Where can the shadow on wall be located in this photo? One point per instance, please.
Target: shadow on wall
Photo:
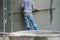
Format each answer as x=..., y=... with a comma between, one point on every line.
x=18, y=21
x=1, y=15
x=22, y=19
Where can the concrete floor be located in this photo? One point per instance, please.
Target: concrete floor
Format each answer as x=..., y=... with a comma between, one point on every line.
x=6, y=38
x=36, y=35
x=1, y=38
x=37, y=38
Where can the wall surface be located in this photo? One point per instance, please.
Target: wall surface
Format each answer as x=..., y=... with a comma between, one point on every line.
x=18, y=19
x=7, y=26
x=1, y=15
x=56, y=16
x=42, y=18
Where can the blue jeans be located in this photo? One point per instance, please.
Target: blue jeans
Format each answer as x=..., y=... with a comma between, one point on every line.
x=29, y=17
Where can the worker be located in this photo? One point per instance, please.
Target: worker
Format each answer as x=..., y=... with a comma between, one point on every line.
x=29, y=7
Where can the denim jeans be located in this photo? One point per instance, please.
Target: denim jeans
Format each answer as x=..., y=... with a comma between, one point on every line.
x=29, y=17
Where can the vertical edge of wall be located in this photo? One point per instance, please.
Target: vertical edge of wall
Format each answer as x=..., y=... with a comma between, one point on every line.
x=1, y=15
x=56, y=15
x=8, y=24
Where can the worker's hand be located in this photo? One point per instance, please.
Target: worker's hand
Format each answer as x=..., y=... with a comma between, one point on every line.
x=36, y=10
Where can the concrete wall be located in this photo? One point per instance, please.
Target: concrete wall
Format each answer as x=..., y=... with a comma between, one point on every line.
x=1, y=15
x=56, y=16
x=8, y=26
x=18, y=19
x=42, y=18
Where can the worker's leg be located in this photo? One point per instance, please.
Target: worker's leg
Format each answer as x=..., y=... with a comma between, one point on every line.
x=27, y=23
x=33, y=22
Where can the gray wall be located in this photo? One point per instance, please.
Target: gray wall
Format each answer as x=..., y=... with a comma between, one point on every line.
x=18, y=19
x=56, y=16
x=42, y=18
x=1, y=15
x=8, y=26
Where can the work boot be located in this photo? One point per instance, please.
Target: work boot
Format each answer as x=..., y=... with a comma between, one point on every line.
x=29, y=28
x=36, y=28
